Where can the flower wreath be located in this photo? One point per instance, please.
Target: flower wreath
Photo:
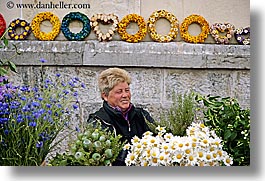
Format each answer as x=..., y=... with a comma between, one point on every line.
x=37, y=20
x=194, y=19
x=76, y=16
x=104, y=19
x=173, y=23
x=222, y=27
x=126, y=21
x=19, y=23
x=239, y=35
x=2, y=25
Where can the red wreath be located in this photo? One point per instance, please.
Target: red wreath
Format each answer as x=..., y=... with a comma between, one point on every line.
x=2, y=25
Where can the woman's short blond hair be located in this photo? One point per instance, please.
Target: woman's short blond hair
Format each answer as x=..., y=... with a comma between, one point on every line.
x=111, y=77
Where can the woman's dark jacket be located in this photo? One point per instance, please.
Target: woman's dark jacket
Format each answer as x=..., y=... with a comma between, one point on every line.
x=114, y=120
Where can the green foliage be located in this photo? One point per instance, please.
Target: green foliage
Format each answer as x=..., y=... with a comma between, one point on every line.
x=179, y=116
x=5, y=63
x=231, y=123
x=93, y=147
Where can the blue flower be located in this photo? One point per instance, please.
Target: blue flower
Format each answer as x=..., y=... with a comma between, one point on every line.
x=71, y=84
x=77, y=129
x=19, y=118
x=65, y=92
x=75, y=94
x=35, y=104
x=33, y=124
x=6, y=132
x=75, y=106
x=42, y=60
x=39, y=144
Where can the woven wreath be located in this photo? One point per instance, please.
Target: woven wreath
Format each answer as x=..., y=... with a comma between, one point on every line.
x=173, y=26
x=76, y=16
x=126, y=21
x=19, y=23
x=104, y=19
x=242, y=35
x=2, y=25
x=216, y=28
x=38, y=19
x=185, y=26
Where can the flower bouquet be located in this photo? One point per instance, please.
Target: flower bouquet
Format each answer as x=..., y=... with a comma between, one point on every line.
x=32, y=117
x=201, y=147
x=94, y=146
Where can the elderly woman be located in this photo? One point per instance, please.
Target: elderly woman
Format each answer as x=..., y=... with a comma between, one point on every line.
x=117, y=112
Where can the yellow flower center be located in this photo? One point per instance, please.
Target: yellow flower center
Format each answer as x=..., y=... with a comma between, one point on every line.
x=208, y=157
x=187, y=151
x=179, y=156
x=200, y=154
x=132, y=157
x=191, y=158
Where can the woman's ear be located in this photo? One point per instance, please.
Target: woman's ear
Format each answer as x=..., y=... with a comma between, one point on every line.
x=104, y=96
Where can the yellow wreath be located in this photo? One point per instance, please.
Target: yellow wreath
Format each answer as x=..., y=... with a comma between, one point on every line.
x=38, y=19
x=173, y=24
x=205, y=29
x=126, y=21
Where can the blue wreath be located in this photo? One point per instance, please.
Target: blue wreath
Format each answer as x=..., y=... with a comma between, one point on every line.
x=75, y=16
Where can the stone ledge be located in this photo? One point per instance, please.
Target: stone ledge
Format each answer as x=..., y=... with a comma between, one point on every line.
x=142, y=54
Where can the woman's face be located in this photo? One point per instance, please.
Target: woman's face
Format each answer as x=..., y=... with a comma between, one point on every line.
x=119, y=96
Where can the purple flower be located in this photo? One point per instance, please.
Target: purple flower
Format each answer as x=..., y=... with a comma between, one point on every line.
x=3, y=79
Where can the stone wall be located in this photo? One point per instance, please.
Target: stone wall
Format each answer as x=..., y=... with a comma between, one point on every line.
x=157, y=69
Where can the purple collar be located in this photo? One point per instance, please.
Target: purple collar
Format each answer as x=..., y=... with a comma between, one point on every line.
x=124, y=114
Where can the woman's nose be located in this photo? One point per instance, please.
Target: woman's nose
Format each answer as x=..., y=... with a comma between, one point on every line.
x=125, y=94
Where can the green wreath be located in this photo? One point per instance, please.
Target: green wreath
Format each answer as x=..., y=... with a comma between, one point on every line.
x=75, y=16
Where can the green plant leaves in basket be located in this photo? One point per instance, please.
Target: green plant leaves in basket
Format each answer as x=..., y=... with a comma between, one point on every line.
x=93, y=147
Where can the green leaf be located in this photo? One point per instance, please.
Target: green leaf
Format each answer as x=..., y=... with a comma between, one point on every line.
x=12, y=66
x=5, y=42
x=213, y=98
x=16, y=49
x=3, y=71
x=227, y=134
x=233, y=136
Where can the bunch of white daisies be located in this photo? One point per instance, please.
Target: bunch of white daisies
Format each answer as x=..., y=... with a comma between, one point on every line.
x=201, y=147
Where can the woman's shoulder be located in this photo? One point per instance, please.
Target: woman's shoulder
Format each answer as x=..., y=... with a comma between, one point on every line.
x=143, y=112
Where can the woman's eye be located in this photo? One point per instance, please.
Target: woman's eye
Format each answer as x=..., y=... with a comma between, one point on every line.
x=119, y=92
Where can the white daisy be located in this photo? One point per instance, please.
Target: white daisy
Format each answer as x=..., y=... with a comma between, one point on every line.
x=130, y=159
